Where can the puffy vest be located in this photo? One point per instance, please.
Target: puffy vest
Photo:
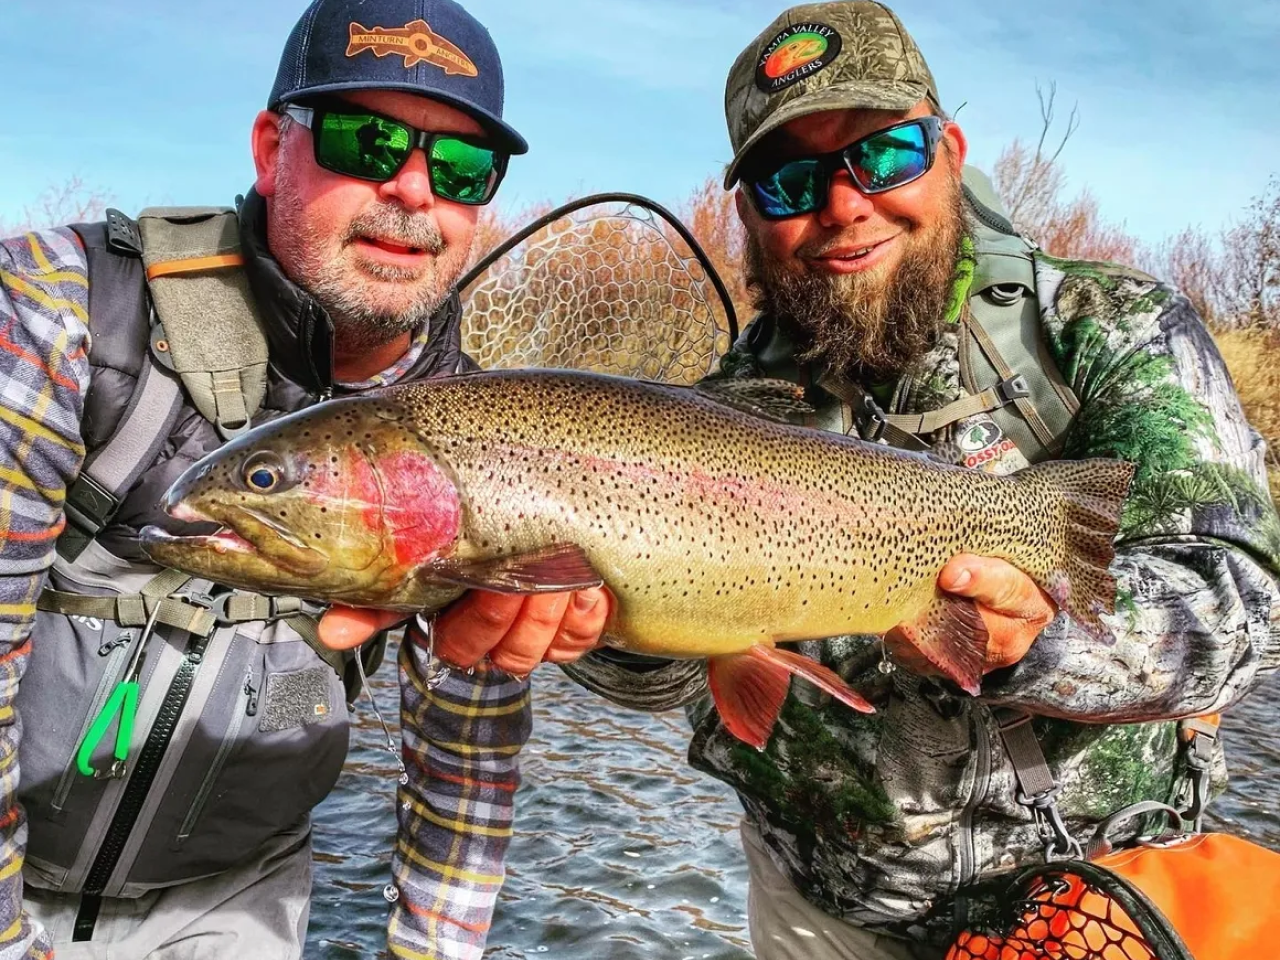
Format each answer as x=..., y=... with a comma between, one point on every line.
x=241, y=726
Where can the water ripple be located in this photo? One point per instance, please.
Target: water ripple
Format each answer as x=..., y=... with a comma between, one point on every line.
x=621, y=849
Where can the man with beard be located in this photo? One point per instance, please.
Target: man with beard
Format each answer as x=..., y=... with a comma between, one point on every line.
x=130, y=349
x=894, y=290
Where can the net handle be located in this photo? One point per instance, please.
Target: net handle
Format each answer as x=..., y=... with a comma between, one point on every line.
x=631, y=198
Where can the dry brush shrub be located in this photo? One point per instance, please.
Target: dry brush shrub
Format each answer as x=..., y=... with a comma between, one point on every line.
x=1251, y=354
x=69, y=202
x=1250, y=280
x=1032, y=183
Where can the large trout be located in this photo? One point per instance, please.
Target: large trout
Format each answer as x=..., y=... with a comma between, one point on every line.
x=719, y=530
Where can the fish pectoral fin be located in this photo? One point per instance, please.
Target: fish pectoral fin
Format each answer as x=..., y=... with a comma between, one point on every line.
x=771, y=399
x=952, y=636
x=750, y=688
x=554, y=569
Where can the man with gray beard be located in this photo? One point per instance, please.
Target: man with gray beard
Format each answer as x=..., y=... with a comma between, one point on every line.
x=175, y=733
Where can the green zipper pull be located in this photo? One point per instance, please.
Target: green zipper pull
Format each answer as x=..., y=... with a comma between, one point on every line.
x=123, y=703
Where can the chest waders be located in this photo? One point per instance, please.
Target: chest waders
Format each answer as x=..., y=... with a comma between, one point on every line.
x=197, y=682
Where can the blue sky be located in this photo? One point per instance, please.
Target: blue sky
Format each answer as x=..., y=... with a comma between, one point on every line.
x=150, y=101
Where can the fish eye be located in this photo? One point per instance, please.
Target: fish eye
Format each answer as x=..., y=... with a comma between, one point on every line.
x=263, y=473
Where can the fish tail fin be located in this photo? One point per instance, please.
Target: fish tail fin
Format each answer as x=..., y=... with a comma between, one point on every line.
x=1090, y=495
x=750, y=688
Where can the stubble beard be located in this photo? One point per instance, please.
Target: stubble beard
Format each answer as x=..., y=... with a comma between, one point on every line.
x=352, y=289
x=865, y=325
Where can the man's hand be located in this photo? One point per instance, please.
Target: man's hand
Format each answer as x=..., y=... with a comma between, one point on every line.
x=516, y=632
x=1012, y=605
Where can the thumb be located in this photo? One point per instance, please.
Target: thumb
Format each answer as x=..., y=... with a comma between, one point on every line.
x=342, y=628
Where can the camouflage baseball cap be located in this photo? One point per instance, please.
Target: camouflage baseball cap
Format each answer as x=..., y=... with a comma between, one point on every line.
x=840, y=55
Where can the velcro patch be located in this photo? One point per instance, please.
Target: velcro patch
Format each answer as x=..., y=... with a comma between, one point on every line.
x=295, y=699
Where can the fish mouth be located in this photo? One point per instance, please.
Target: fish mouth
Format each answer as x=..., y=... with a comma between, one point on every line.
x=243, y=533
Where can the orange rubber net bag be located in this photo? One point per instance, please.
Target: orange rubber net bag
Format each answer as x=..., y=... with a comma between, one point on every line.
x=1201, y=897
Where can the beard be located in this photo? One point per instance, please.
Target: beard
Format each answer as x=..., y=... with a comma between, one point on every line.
x=370, y=303
x=865, y=325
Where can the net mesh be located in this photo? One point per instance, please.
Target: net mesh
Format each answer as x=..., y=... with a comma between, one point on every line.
x=610, y=288
x=1062, y=918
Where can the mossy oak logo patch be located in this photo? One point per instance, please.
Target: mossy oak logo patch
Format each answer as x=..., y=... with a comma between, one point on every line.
x=416, y=42
x=797, y=52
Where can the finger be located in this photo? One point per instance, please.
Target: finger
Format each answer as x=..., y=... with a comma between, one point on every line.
x=584, y=618
x=471, y=627
x=342, y=628
x=526, y=643
x=998, y=585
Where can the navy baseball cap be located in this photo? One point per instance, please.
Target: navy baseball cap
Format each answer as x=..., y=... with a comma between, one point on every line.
x=429, y=47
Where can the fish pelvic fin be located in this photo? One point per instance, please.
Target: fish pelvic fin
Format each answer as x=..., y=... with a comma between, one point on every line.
x=750, y=688
x=953, y=637
x=1091, y=496
x=554, y=569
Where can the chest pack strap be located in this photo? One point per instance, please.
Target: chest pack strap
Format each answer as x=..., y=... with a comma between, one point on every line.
x=111, y=471
x=159, y=602
x=207, y=326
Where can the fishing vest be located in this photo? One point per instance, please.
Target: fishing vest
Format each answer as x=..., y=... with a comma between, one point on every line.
x=241, y=723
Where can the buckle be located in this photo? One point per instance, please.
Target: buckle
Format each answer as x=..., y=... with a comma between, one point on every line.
x=123, y=235
x=1058, y=842
x=1015, y=388
x=89, y=505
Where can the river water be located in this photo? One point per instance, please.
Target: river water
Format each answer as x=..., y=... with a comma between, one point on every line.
x=622, y=851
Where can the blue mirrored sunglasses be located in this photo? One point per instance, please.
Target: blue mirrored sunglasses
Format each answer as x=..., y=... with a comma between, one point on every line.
x=878, y=162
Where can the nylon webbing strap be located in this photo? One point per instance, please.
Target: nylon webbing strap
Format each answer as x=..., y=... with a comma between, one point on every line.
x=1100, y=843
x=109, y=473
x=1034, y=776
x=871, y=422
x=1037, y=789
x=135, y=609
x=183, y=613
x=934, y=420
x=1024, y=405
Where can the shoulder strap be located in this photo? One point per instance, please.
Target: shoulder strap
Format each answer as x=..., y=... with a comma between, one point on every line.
x=208, y=329
x=110, y=471
x=1004, y=325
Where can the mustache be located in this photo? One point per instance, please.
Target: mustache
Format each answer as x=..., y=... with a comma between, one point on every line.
x=396, y=225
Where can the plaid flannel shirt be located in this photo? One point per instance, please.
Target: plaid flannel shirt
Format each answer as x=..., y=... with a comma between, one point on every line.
x=460, y=740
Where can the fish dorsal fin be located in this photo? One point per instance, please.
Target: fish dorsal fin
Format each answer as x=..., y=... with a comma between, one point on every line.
x=553, y=569
x=770, y=398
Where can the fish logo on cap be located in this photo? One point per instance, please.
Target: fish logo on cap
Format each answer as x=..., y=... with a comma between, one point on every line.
x=416, y=42
x=799, y=51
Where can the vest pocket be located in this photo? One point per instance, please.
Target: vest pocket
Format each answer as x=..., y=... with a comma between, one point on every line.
x=229, y=740
x=116, y=653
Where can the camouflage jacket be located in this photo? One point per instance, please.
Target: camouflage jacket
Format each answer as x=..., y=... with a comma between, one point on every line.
x=888, y=820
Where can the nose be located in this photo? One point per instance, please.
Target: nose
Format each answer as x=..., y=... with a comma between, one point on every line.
x=846, y=204
x=412, y=184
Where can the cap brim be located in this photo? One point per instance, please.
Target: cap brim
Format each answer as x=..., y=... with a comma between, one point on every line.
x=853, y=95
x=506, y=135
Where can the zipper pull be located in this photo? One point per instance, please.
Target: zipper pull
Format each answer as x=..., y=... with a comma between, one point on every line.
x=251, y=707
x=119, y=641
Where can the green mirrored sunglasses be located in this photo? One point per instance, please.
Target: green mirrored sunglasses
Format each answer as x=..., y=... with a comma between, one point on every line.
x=369, y=146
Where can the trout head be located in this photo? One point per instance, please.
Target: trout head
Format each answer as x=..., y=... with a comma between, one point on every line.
x=341, y=502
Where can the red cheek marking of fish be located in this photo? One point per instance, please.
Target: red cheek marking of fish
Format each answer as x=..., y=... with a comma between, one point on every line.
x=422, y=513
